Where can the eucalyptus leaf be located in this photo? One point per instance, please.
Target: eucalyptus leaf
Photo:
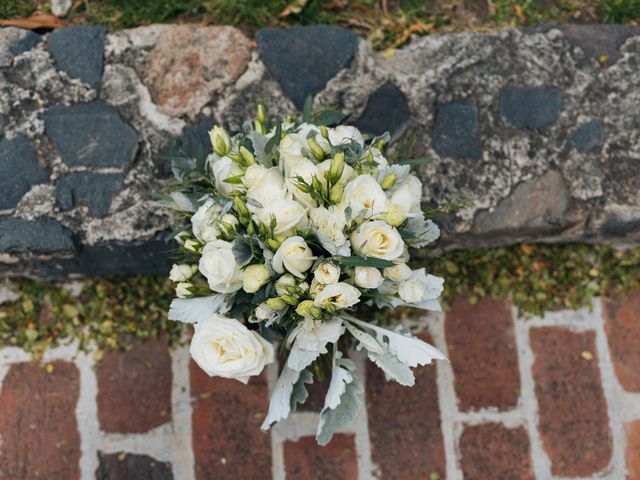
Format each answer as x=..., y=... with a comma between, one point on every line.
x=241, y=252
x=356, y=261
x=306, y=109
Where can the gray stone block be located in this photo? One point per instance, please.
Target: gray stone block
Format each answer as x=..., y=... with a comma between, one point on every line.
x=304, y=59
x=457, y=131
x=79, y=51
x=41, y=236
x=91, y=135
x=93, y=190
x=386, y=111
x=588, y=137
x=19, y=170
x=531, y=107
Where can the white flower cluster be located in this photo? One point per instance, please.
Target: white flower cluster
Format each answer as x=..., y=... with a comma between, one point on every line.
x=295, y=229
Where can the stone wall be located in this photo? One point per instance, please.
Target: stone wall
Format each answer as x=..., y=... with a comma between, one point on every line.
x=537, y=129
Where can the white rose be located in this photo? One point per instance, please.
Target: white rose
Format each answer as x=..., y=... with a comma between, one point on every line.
x=218, y=265
x=223, y=168
x=365, y=193
x=224, y=347
x=368, y=277
x=327, y=273
x=345, y=134
x=254, y=277
x=182, y=272
x=408, y=195
x=263, y=311
x=398, y=272
x=204, y=223
x=289, y=215
x=253, y=175
x=339, y=295
x=286, y=280
x=377, y=239
x=294, y=255
x=306, y=170
x=290, y=149
x=265, y=186
x=421, y=290
x=329, y=225
x=183, y=290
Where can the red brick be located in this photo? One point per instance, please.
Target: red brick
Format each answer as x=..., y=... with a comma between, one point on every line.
x=227, y=440
x=573, y=422
x=304, y=459
x=134, y=388
x=623, y=332
x=38, y=428
x=404, y=425
x=122, y=466
x=493, y=451
x=483, y=354
x=632, y=455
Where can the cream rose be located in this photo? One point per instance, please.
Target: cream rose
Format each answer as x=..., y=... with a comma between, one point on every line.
x=327, y=273
x=290, y=149
x=421, y=290
x=286, y=280
x=254, y=277
x=219, y=266
x=344, y=134
x=365, y=193
x=289, y=215
x=204, y=223
x=265, y=185
x=182, y=272
x=295, y=256
x=377, y=239
x=398, y=272
x=224, y=347
x=338, y=295
x=223, y=168
x=408, y=195
x=315, y=288
x=329, y=224
x=367, y=277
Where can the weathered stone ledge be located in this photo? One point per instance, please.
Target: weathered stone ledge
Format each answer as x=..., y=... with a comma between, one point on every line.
x=538, y=129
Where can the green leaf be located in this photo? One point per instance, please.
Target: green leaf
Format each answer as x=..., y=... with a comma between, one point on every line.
x=275, y=140
x=306, y=109
x=328, y=118
x=237, y=180
x=355, y=261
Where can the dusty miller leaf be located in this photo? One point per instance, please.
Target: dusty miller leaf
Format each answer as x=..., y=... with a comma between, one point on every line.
x=280, y=403
x=299, y=394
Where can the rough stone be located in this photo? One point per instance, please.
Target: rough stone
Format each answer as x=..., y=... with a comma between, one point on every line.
x=93, y=190
x=573, y=420
x=19, y=170
x=588, y=137
x=532, y=107
x=60, y=8
x=223, y=443
x=457, y=131
x=386, y=111
x=493, y=451
x=91, y=135
x=537, y=206
x=623, y=333
x=409, y=443
x=189, y=65
x=41, y=236
x=2, y=122
x=14, y=41
x=304, y=459
x=134, y=388
x=123, y=466
x=482, y=334
x=304, y=59
x=79, y=51
x=38, y=422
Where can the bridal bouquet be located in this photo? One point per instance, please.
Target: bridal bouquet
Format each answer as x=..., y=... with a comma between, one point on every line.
x=299, y=232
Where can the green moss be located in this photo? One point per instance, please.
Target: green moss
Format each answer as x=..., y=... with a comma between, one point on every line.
x=113, y=312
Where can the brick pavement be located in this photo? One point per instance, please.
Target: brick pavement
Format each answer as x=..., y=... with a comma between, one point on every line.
x=544, y=398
